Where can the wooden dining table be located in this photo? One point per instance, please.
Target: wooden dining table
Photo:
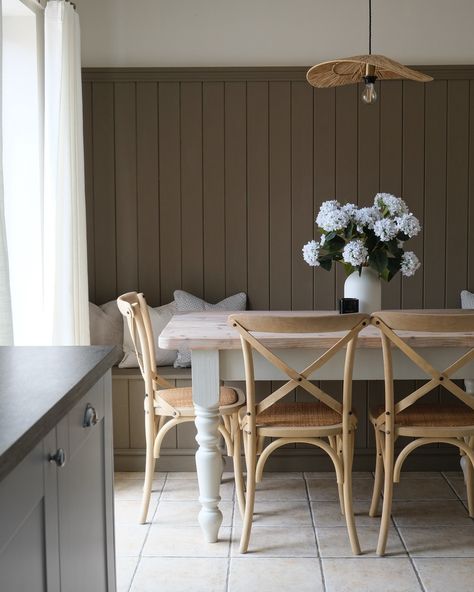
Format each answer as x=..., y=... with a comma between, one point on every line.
x=216, y=356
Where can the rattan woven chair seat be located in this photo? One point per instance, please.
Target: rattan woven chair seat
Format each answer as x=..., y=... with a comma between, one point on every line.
x=431, y=416
x=298, y=415
x=183, y=397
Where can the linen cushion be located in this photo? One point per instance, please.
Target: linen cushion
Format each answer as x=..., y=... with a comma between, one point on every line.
x=467, y=301
x=159, y=317
x=186, y=302
x=105, y=322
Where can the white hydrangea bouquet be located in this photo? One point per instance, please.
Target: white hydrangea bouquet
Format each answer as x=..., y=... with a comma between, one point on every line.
x=365, y=237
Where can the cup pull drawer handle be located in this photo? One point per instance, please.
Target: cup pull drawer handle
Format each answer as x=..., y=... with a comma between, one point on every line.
x=90, y=417
x=59, y=457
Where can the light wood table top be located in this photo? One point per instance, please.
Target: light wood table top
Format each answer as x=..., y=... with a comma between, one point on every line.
x=209, y=330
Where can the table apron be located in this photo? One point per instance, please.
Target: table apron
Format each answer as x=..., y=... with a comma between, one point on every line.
x=368, y=364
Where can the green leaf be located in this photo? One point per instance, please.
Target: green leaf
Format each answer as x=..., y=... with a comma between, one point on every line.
x=403, y=237
x=371, y=240
x=349, y=269
x=349, y=230
x=393, y=266
x=336, y=243
x=378, y=260
x=326, y=263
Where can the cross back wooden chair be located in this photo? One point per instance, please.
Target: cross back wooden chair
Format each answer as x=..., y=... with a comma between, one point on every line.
x=167, y=406
x=449, y=423
x=306, y=422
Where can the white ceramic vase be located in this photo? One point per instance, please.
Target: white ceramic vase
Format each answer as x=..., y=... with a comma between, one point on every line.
x=367, y=288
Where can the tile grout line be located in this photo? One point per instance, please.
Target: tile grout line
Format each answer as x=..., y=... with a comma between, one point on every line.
x=410, y=558
x=147, y=533
x=320, y=561
x=313, y=525
x=455, y=492
x=229, y=558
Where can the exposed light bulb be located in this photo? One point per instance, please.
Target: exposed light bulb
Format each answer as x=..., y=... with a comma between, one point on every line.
x=369, y=95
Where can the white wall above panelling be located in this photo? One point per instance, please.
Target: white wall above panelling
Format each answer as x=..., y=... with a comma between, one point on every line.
x=272, y=32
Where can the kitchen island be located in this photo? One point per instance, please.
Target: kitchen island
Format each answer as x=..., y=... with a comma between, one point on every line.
x=56, y=469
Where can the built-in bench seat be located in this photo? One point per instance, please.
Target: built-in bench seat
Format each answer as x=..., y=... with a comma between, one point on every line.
x=167, y=372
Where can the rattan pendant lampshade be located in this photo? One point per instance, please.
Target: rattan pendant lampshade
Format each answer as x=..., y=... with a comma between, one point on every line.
x=368, y=67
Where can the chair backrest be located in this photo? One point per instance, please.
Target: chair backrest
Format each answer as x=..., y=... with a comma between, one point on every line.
x=248, y=325
x=134, y=308
x=423, y=321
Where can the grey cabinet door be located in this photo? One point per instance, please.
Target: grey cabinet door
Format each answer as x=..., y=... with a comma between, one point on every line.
x=29, y=558
x=85, y=502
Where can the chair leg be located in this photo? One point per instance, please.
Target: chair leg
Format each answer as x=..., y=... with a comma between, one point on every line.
x=250, y=459
x=239, y=480
x=340, y=491
x=340, y=486
x=374, y=505
x=387, y=493
x=469, y=482
x=149, y=470
x=347, y=459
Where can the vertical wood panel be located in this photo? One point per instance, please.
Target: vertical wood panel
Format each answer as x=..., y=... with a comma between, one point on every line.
x=347, y=98
x=136, y=415
x=235, y=187
x=324, y=132
x=121, y=414
x=368, y=150
x=170, y=189
x=280, y=195
x=258, y=195
x=457, y=185
x=103, y=167
x=301, y=192
x=391, y=124
x=148, y=192
x=126, y=187
x=191, y=187
x=89, y=184
x=213, y=191
x=434, y=232
x=470, y=215
x=413, y=181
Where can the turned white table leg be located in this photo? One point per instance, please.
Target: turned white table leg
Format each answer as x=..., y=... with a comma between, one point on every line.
x=205, y=376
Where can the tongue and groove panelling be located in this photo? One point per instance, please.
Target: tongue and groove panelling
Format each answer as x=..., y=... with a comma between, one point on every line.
x=209, y=180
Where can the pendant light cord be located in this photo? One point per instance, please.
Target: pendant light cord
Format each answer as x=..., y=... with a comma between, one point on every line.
x=370, y=27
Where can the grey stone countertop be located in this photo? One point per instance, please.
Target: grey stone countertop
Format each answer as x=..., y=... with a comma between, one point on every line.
x=38, y=387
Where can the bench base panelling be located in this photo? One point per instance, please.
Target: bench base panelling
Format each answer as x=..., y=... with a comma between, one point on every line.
x=179, y=445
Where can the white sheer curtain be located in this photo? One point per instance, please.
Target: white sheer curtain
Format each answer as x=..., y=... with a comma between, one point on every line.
x=65, y=249
x=6, y=329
